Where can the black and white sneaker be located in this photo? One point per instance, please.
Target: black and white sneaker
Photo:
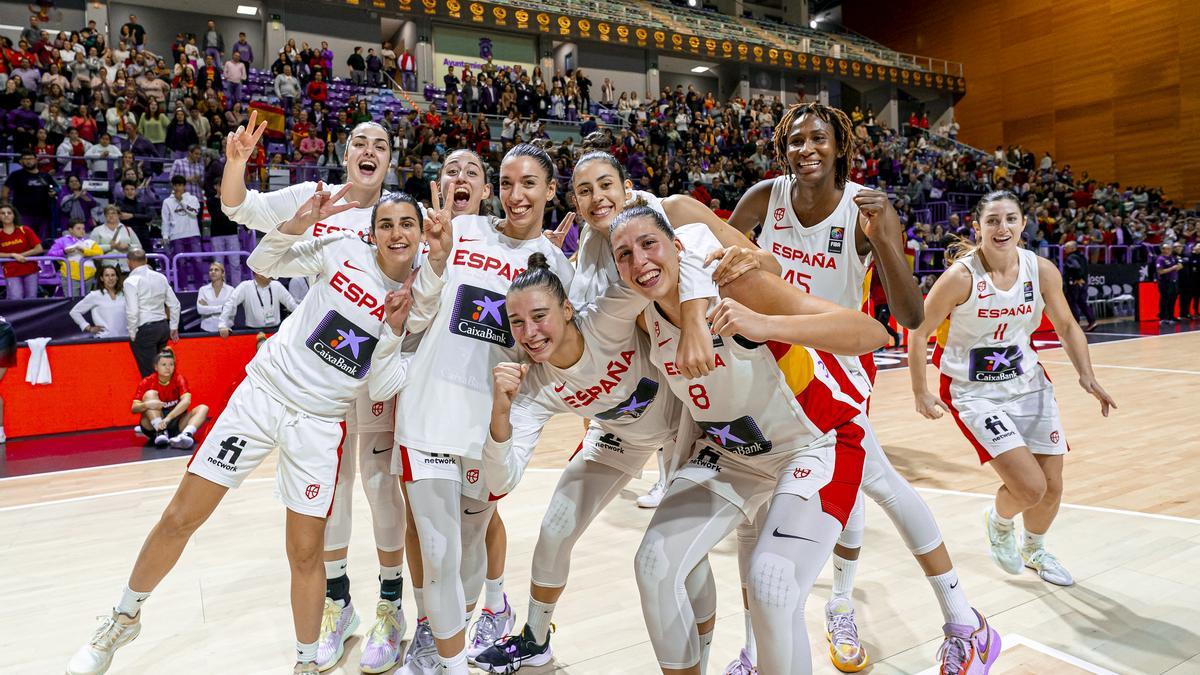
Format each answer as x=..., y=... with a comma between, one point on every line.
x=511, y=653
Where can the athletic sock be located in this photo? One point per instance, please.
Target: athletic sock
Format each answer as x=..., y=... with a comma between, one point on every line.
x=306, y=652
x=751, y=646
x=455, y=665
x=189, y=429
x=999, y=520
x=131, y=602
x=843, y=577
x=419, y=599
x=537, y=618
x=705, y=645
x=337, y=584
x=391, y=584
x=493, y=598
x=1032, y=542
x=950, y=596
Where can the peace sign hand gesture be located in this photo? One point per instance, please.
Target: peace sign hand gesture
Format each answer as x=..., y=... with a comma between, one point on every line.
x=397, y=304
x=243, y=142
x=558, y=235
x=439, y=230
x=318, y=207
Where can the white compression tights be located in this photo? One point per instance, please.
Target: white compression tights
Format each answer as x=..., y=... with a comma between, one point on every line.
x=380, y=486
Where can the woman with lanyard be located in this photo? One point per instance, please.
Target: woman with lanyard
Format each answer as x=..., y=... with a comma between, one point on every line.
x=368, y=422
x=440, y=447
x=261, y=298
x=297, y=390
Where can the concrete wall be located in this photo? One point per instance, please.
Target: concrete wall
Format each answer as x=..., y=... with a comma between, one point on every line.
x=625, y=67
x=163, y=22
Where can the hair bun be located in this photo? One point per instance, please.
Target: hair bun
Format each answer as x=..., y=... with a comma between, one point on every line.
x=542, y=144
x=537, y=261
x=601, y=139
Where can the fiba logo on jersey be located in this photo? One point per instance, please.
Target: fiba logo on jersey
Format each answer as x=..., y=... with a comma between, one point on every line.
x=377, y=409
x=1028, y=291
x=837, y=236
x=779, y=214
x=343, y=345
x=479, y=314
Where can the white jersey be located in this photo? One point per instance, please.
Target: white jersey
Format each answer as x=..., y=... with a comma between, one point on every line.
x=450, y=410
x=321, y=357
x=985, y=347
x=822, y=259
x=265, y=211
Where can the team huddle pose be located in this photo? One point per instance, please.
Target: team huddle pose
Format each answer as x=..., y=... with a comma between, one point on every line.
x=749, y=367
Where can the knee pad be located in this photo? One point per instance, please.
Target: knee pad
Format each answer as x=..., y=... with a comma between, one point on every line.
x=852, y=534
x=702, y=591
x=772, y=584
x=556, y=540
x=388, y=511
x=650, y=563
x=561, y=517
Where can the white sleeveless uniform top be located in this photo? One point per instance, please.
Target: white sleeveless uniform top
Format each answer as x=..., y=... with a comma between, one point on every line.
x=595, y=268
x=264, y=211
x=822, y=259
x=446, y=407
x=985, y=347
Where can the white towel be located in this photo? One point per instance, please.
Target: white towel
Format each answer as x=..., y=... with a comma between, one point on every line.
x=38, y=371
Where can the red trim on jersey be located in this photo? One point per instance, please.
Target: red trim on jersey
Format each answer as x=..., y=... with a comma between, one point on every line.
x=838, y=496
x=825, y=411
x=577, y=450
x=937, y=355
x=341, y=444
x=406, y=474
x=778, y=349
x=868, y=363
x=984, y=455
x=840, y=376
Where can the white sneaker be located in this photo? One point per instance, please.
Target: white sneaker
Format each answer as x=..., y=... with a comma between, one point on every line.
x=422, y=655
x=1048, y=567
x=742, y=665
x=307, y=668
x=183, y=441
x=337, y=625
x=162, y=440
x=114, y=632
x=1003, y=542
x=139, y=431
x=382, y=649
x=490, y=627
x=654, y=497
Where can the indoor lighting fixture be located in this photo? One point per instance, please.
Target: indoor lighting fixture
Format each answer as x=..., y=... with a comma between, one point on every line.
x=247, y=10
x=700, y=69
x=812, y=23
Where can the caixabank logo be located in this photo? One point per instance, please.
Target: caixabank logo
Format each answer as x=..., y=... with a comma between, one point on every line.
x=480, y=315
x=636, y=405
x=996, y=364
x=741, y=436
x=343, y=345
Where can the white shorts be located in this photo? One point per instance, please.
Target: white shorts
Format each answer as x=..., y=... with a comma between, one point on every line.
x=252, y=425
x=609, y=449
x=413, y=465
x=830, y=467
x=368, y=416
x=994, y=427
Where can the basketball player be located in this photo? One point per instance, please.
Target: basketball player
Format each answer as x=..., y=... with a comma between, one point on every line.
x=439, y=457
x=991, y=382
x=828, y=234
x=297, y=389
x=368, y=423
x=766, y=437
x=164, y=402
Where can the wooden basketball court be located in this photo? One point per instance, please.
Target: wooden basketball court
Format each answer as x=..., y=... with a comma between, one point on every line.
x=1129, y=531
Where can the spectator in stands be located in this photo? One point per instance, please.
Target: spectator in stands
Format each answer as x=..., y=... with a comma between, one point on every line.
x=133, y=33
x=1168, y=266
x=210, y=302
x=225, y=238
x=119, y=119
x=584, y=85
x=23, y=124
x=235, y=74
x=76, y=204
x=103, y=157
x=317, y=90
x=214, y=43
x=153, y=125
x=162, y=400
x=113, y=236
x=287, y=87
x=191, y=168
x=451, y=88
x=18, y=242
x=151, y=311
x=358, y=66
x=261, y=300
x=106, y=305
x=1075, y=280
x=607, y=92
x=407, y=65
x=77, y=248
x=71, y=154
x=374, y=69
x=134, y=213
x=181, y=230
x=243, y=50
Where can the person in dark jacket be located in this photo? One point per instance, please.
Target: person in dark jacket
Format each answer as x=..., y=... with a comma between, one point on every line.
x=1075, y=280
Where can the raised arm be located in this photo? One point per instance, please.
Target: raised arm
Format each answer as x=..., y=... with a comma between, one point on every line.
x=683, y=209
x=283, y=253
x=1073, y=340
x=256, y=210
x=517, y=422
x=880, y=223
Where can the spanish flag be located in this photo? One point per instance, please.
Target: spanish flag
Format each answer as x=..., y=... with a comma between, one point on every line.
x=273, y=115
